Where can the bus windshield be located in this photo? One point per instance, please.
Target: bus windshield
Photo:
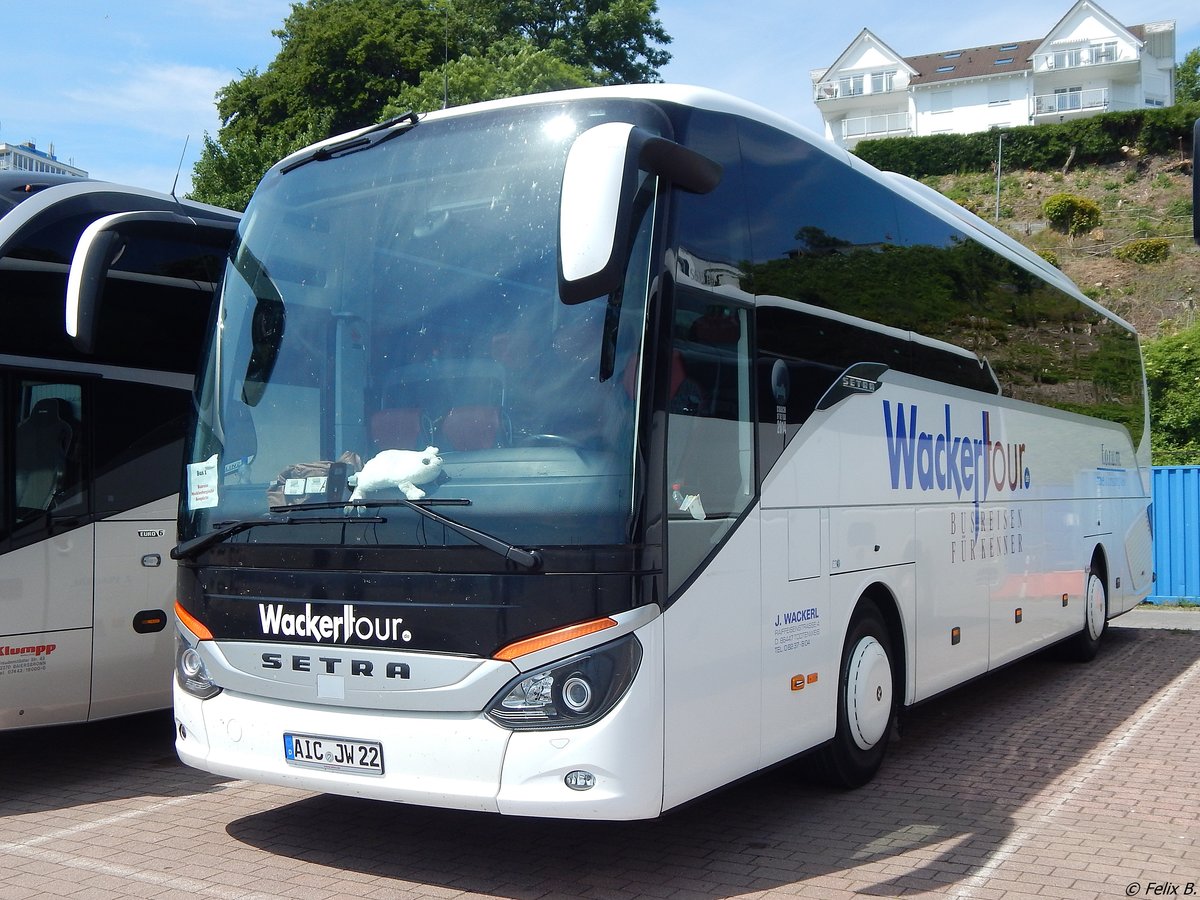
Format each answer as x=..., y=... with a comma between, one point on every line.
x=390, y=327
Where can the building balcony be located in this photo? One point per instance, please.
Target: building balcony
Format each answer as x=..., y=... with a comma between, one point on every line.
x=863, y=127
x=1085, y=58
x=856, y=88
x=1071, y=103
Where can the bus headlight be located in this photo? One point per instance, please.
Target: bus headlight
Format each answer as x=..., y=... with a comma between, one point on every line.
x=191, y=672
x=570, y=693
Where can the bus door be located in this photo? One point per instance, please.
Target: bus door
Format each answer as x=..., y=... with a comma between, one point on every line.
x=713, y=628
x=137, y=449
x=46, y=555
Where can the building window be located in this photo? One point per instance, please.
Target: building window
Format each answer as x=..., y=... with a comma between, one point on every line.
x=941, y=101
x=850, y=85
x=882, y=81
x=945, y=69
x=1068, y=98
x=1066, y=59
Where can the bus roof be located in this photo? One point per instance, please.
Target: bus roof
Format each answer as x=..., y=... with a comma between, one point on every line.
x=76, y=197
x=681, y=94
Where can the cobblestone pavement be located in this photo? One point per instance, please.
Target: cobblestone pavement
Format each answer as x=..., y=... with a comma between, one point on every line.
x=1048, y=779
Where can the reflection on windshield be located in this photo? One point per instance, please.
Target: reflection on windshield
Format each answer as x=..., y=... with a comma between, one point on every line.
x=417, y=319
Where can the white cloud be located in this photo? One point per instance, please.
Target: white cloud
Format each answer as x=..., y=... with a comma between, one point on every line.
x=162, y=99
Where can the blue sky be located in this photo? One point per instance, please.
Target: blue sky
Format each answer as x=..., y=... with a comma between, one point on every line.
x=117, y=86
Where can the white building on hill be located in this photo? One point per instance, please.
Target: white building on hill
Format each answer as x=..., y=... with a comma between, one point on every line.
x=1088, y=63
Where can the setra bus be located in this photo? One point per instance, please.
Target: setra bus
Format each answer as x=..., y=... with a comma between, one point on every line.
x=578, y=454
x=91, y=446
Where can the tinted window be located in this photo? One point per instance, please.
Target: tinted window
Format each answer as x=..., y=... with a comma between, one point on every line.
x=824, y=237
x=138, y=444
x=145, y=325
x=710, y=440
x=49, y=449
x=910, y=291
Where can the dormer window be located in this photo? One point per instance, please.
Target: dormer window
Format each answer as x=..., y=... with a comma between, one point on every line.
x=943, y=69
x=954, y=54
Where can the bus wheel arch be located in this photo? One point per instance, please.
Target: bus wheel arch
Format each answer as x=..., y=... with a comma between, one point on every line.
x=870, y=686
x=889, y=608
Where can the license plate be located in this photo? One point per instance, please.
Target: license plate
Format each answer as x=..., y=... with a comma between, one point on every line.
x=333, y=754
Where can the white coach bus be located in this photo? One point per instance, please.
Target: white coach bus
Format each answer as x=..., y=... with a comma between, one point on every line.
x=578, y=454
x=91, y=446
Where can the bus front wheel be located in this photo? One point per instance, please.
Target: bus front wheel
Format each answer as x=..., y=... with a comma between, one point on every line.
x=865, y=703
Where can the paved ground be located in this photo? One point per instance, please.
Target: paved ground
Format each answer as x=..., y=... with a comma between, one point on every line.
x=1047, y=780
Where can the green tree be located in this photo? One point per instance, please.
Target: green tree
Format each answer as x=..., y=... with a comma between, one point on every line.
x=614, y=39
x=1173, y=377
x=226, y=174
x=1187, y=78
x=496, y=74
x=342, y=62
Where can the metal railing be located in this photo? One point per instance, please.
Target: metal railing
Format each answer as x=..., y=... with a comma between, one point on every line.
x=1070, y=101
x=842, y=89
x=1079, y=58
x=872, y=126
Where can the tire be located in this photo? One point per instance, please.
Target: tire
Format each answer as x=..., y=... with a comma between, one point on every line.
x=1085, y=645
x=866, y=707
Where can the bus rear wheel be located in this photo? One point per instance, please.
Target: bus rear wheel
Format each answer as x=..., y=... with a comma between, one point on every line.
x=1086, y=644
x=865, y=702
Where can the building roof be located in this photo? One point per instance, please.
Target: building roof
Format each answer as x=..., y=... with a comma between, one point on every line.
x=975, y=62
x=979, y=62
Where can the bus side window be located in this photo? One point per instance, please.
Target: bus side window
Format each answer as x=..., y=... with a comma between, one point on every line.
x=47, y=451
x=710, y=436
x=136, y=456
x=710, y=443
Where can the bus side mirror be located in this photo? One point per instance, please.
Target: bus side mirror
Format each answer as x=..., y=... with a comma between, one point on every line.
x=101, y=245
x=599, y=183
x=95, y=253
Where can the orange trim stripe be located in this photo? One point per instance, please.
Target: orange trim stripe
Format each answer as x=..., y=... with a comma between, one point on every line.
x=551, y=638
x=192, y=624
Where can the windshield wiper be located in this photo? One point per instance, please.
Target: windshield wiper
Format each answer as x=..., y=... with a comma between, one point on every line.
x=528, y=559
x=197, y=545
x=372, y=137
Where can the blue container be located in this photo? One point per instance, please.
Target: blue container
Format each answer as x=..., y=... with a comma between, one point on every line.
x=1176, y=519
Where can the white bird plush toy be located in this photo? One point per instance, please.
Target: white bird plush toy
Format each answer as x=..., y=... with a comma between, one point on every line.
x=403, y=469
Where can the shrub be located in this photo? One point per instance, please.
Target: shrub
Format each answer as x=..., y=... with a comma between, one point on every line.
x=1146, y=250
x=1100, y=139
x=1049, y=256
x=1070, y=213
